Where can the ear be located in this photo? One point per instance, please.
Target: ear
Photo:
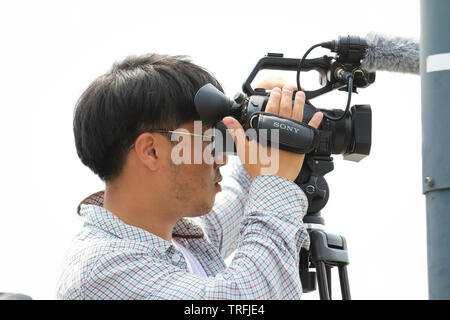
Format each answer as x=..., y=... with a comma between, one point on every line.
x=148, y=150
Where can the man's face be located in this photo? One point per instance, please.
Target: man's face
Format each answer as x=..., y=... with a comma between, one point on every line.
x=194, y=181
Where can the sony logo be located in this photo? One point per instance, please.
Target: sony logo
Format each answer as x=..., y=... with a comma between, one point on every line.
x=285, y=127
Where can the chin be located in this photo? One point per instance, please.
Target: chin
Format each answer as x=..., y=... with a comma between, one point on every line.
x=199, y=211
x=206, y=200
x=204, y=208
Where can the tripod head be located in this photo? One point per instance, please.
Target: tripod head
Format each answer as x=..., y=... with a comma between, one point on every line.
x=314, y=185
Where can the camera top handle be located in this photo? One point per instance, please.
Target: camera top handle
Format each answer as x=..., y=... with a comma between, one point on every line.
x=276, y=61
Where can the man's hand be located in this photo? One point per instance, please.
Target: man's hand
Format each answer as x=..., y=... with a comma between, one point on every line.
x=273, y=82
x=280, y=102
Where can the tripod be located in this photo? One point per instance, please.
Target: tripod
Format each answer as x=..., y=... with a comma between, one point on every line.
x=326, y=250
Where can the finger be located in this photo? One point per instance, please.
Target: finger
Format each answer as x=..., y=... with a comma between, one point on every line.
x=220, y=159
x=273, y=82
x=291, y=86
x=273, y=105
x=299, y=104
x=286, y=102
x=316, y=119
x=237, y=132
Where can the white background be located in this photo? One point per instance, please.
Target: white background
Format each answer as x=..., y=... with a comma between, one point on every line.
x=51, y=50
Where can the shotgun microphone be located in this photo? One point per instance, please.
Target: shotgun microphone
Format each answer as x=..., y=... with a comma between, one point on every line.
x=380, y=52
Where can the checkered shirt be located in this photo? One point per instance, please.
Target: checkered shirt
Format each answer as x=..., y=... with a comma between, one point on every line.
x=259, y=219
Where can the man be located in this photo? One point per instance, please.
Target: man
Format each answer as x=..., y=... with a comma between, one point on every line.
x=140, y=239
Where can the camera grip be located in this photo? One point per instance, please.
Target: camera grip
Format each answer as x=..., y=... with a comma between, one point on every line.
x=293, y=136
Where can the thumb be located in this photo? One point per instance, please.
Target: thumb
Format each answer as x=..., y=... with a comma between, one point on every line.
x=316, y=119
x=235, y=129
x=231, y=123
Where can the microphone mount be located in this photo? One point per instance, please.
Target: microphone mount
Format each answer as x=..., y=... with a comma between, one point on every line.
x=349, y=48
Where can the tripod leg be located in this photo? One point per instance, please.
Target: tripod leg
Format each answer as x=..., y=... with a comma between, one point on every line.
x=328, y=269
x=322, y=280
x=343, y=279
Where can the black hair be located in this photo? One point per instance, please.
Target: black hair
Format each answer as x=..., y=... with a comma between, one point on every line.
x=144, y=92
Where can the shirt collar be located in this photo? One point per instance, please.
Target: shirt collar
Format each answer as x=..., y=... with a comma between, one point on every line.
x=91, y=211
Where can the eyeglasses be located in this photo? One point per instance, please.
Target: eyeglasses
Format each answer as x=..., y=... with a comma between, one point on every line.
x=206, y=138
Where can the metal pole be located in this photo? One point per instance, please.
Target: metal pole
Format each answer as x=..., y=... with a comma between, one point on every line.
x=435, y=76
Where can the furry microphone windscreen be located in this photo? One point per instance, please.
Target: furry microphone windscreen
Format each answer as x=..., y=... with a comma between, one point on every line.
x=391, y=54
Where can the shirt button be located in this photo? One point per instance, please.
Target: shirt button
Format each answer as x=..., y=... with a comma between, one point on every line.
x=176, y=257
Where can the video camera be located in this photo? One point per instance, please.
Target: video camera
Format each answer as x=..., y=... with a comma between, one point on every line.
x=346, y=132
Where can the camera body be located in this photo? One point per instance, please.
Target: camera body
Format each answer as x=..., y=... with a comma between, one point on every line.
x=350, y=136
x=340, y=132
